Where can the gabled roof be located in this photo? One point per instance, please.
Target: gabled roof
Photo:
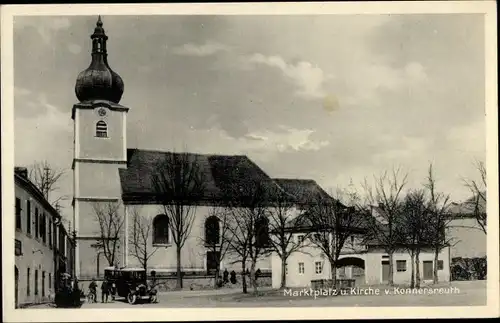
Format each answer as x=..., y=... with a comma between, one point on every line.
x=225, y=177
x=302, y=190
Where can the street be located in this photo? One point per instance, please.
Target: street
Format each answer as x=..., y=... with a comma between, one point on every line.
x=470, y=293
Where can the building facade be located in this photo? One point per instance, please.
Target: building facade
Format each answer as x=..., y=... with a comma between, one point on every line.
x=43, y=248
x=364, y=263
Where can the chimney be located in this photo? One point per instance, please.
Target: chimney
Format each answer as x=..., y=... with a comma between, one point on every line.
x=21, y=171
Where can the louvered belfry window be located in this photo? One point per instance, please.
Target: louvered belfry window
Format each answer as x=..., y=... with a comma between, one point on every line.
x=101, y=129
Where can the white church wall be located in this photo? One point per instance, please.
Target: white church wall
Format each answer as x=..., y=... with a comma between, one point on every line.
x=194, y=251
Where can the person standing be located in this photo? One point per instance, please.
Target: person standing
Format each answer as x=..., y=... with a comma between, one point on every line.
x=92, y=290
x=104, y=290
x=225, y=276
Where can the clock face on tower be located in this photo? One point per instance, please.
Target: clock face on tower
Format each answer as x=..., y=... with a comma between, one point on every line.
x=102, y=112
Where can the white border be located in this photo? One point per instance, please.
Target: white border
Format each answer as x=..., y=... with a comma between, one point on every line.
x=150, y=314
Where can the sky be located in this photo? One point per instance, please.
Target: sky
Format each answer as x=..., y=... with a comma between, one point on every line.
x=334, y=98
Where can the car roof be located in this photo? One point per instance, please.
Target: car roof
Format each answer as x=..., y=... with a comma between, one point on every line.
x=132, y=269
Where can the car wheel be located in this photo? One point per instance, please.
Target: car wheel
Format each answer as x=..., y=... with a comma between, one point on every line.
x=131, y=298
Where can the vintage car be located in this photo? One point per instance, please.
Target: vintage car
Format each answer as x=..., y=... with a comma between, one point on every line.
x=130, y=283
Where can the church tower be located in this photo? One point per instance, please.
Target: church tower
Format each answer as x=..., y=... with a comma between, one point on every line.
x=100, y=149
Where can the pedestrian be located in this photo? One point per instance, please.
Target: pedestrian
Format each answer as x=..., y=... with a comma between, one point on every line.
x=233, y=277
x=104, y=290
x=92, y=291
x=225, y=275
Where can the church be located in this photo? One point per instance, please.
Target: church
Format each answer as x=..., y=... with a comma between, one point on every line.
x=106, y=171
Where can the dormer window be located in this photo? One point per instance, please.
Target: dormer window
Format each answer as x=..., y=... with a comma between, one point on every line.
x=101, y=129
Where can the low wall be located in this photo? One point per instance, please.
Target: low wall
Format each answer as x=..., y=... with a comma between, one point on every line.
x=205, y=282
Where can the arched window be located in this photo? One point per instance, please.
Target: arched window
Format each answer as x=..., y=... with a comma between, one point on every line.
x=101, y=129
x=212, y=231
x=262, y=232
x=160, y=232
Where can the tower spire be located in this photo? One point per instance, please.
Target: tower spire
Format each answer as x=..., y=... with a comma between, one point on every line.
x=99, y=81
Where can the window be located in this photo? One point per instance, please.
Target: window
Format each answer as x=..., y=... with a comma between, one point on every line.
x=18, y=213
x=318, y=267
x=28, y=290
x=50, y=281
x=56, y=237
x=262, y=232
x=301, y=268
x=43, y=283
x=62, y=242
x=43, y=227
x=101, y=129
x=300, y=238
x=212, y=231
x=36, y=282
x=28, y=217
x=160, y=232
x=401, y=265
x=36, y=223
x=50, y=233
x=440, y=265
x=385, y=257
x=18, y=248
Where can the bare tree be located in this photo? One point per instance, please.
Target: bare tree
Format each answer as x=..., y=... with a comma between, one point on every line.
x=111, y=222
x=284, y=221
x=439, y=219
x=413, y=228
x=387, y=196
x=46, y=178
x=217, y=238
x=478, y=200
x=179, y=182
x=248, y=227
x=334, y=223
x=140, y=237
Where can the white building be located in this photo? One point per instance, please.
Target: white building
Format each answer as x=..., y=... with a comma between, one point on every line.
x=365, y=262
x=43, y=248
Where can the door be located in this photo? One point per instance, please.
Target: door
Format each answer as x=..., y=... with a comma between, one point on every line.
x=385, y=271
x=428, y=272
x=16, y=284
x=212, y=261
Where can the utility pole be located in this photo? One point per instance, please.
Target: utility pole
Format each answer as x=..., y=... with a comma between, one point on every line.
x=45, y=183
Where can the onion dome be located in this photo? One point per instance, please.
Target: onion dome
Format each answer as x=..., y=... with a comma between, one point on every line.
x=99, y=81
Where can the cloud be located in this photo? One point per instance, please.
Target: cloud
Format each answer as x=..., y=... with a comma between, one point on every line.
x=19, y=91
x=207, y=49
x=470, y=138
x=285, y=139
x=368, y=81
x=74, y=48
x=46, y=27
x=308, y=78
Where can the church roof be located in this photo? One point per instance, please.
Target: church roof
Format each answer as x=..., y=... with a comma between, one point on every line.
x=225, y=177
x=302, y=189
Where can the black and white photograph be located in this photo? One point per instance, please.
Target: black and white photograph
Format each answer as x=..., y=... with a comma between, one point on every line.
x=238, y=161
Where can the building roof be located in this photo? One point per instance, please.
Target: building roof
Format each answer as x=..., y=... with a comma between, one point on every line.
x=21, y=178
x=225, y=177
x=467, y=208
x=302, y=190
